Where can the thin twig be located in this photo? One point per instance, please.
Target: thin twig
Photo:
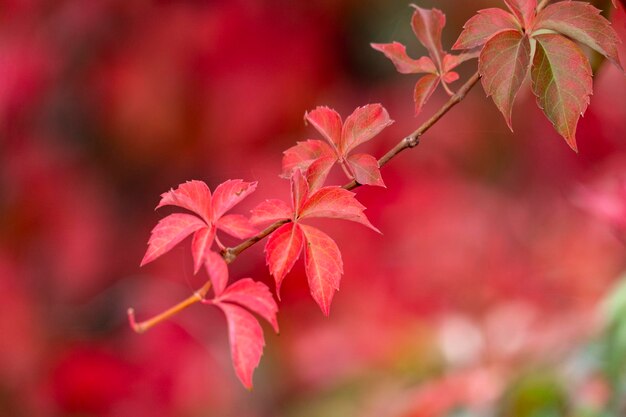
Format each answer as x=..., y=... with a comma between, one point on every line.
x=230, y=254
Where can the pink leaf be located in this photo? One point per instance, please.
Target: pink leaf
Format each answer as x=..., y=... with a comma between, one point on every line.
x=396, y=52
x=362, y=125
x=483, y=26
x=255, y=296
x=427, y=26
x=583, y=23
x=299, y=190
x=503, y=65
x=561, y=79
x=327, y=122
x=246, y=341
x=452, y=61
x=337, y=203
x=194, y=196
x=201, y=243
x=170, y=231
x=230, y=193
x=323, y=265
x=366, y=170
x=302, y=155
x=237, y=226
x=270, y=211
x=524, y=10
x=318, y=172
x=282, y=251
x=451, y=77
x=424, y=88
x=217, y=270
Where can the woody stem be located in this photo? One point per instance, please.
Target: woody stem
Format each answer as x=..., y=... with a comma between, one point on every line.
x=230, y=254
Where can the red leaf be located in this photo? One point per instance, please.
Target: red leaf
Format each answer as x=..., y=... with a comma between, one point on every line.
x=503, y=65
x=217, y=270
x=524, y=10
x=230, y=193
x=427, y=26
x=194, y=196
x=299, y=191
x=303, y=154
x=200, y=244
x=327, y=122
x=169, y=232
x=318, y=172
x=452, y=61
x=366, y=170
x=583, y=23
x=282, y=251
x=337, y=203
x=270, y=211
x=246, y=341
x=323, y=265
x=255, y=296
x=451, y=77
x=484, y=25
x=396, y=52
x=236, y=225
x=561, y=78
x=424, y=88
x=362, y=125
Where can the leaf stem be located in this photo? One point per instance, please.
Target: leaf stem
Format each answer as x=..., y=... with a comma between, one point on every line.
x=143, y=326
x=231, y=253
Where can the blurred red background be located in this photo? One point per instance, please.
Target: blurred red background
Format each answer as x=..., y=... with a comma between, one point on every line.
x=482, y=296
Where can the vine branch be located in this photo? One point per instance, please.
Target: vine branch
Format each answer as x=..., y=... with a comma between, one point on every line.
x=231, y=253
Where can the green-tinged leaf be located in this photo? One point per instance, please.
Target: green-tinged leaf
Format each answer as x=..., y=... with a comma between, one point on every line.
x=483, y=26
x=524, y=10
x=396, y=52
x=503, y=65
x=427, y=25
x=424, y=88
x=561, y=78
x=583, y=23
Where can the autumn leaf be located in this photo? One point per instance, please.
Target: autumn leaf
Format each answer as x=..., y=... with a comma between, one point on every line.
x=427, y=25
x=323, y=263
x=523, y=10
x=583, y=23
x=561, y=74
x=504, y=63
x=316, y=157
x=209, y=211
x=483, y=26
x=244, y=331
x=561, y=78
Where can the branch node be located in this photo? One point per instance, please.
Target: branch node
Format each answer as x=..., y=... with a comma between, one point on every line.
x=229, y=255
x=412, y=141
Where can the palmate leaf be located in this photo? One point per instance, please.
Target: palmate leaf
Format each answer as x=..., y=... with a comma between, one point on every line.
x=427, y=25
x=315, y=158
x=322, y=258
x=561, y=80
x=209, y=211
x=583, y=23
x=503, y=64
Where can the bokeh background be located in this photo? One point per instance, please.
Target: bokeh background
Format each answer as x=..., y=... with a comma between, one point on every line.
x=495, y=290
